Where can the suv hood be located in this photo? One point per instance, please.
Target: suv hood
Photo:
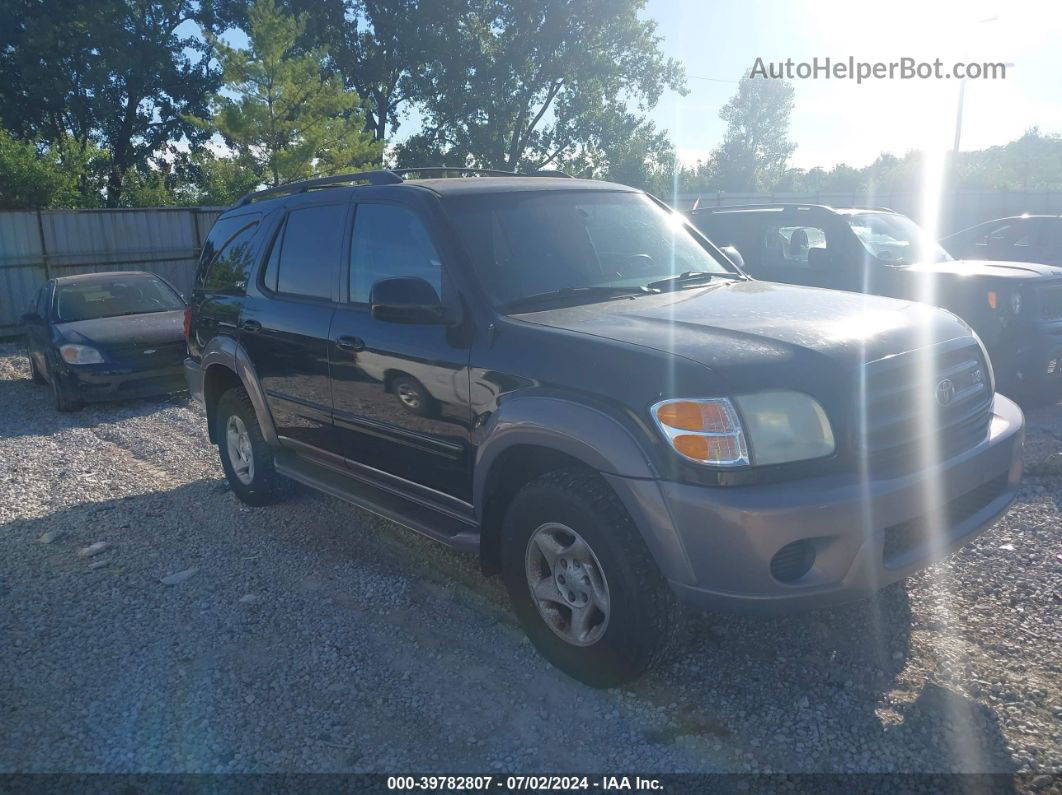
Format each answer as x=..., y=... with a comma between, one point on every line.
x=991, y=268
x=760, y=334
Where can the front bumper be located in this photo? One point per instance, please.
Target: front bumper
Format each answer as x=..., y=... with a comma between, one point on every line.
x=716, y=545
x=92, y=383
x=1028, y=360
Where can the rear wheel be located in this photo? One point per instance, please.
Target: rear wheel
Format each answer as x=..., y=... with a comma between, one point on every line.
x=35, y=374
x=246, y=457
x=582, y=582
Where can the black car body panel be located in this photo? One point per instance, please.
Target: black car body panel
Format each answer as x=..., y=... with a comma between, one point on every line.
x=497, y=397
x=1015, y=308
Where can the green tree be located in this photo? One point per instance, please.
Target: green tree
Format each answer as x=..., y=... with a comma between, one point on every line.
x=282, y=111
x=756, y=147
x=209, y=180
x=35, y=175
x=119, y=74
x=627, y=149
x=380, y=47
x=526, y=85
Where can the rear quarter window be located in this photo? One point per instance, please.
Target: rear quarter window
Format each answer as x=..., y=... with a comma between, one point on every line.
x=228, y=255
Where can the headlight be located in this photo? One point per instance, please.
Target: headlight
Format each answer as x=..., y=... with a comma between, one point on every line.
x=1015, y=302
x=80, y=354
x=763, y=428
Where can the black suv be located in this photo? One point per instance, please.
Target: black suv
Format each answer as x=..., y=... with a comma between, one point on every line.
x=1015, y=307
x=1021, y=238
x=566, y=378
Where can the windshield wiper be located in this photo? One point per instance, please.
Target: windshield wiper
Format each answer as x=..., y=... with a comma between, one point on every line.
x=593, y=292
x=689, y=277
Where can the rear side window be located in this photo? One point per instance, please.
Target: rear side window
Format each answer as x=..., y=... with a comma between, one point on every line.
x=305, y=256
x=789, y=246
x=390, y=242
x=220, y=235
x=227, y=272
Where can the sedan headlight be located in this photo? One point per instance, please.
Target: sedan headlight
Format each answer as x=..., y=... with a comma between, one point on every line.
x=80, y=354
x=763, y=428
x=1015, y=302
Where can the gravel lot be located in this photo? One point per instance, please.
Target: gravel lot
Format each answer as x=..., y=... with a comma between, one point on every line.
x=315, y=637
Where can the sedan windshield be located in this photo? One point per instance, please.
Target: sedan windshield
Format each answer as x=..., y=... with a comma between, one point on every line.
x=131, y=295
x=896, y=239
x=579, y=246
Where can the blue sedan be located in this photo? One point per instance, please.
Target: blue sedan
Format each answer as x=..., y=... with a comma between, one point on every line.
x=100, y=336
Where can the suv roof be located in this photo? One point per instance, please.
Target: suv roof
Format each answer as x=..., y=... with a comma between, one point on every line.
x=467, y=180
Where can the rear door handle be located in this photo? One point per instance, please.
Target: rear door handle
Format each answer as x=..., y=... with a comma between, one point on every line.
x=351, y=343
x=250, y=325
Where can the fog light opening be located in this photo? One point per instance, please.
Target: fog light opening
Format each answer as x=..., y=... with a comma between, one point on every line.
x=793, y=561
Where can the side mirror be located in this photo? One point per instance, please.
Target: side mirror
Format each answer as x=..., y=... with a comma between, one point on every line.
x=734, y=256
x=407, y=300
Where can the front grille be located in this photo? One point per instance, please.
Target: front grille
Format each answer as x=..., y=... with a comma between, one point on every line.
x=935, y=401
x=147, y=356
x=902, y=538
x=1051, y=303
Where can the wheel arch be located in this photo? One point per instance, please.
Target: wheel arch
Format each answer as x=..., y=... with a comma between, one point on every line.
x=531, y=436
x=225, y=365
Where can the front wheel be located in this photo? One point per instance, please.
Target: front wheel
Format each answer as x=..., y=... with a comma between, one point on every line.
x=65, y=399
x=35, y=374
x=246, y=457
x=582, y=582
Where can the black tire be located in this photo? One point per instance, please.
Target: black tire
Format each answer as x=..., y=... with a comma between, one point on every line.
x=413, y=396
x=265, y=486
x=63, y=396
x=643, y=615
x=35, y=374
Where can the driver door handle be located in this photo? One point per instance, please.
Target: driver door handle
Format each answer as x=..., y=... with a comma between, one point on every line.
x=350, y=343
x=250, y=325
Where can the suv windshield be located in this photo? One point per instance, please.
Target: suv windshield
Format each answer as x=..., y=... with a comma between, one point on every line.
x=895, y=239
x=579, y=245
x=132, y=295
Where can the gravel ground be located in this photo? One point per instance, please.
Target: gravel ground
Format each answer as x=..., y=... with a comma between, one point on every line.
x=315, y=637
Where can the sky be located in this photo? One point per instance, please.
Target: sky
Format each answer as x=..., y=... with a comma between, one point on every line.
x=836, y=121
x=840, y=121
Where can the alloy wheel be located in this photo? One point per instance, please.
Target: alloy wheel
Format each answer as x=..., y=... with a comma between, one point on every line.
x=241, y=455
x=567, y=584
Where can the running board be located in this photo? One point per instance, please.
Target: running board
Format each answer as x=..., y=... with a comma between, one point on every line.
x=436, y=524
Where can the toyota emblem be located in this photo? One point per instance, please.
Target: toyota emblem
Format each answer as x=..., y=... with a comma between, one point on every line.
x=945, y=391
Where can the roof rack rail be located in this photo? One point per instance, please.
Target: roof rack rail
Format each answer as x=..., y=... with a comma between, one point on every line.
x=551, y=172
x=381, y=177
x=479, y=172
x=394, y=176
x=776, y=206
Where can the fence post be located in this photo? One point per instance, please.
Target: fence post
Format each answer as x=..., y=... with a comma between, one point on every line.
x=44, y=245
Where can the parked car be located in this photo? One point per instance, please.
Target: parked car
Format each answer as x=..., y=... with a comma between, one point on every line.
x=638, y=423
x=101, y=336
x=1016, y=308
x=1021, y=238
